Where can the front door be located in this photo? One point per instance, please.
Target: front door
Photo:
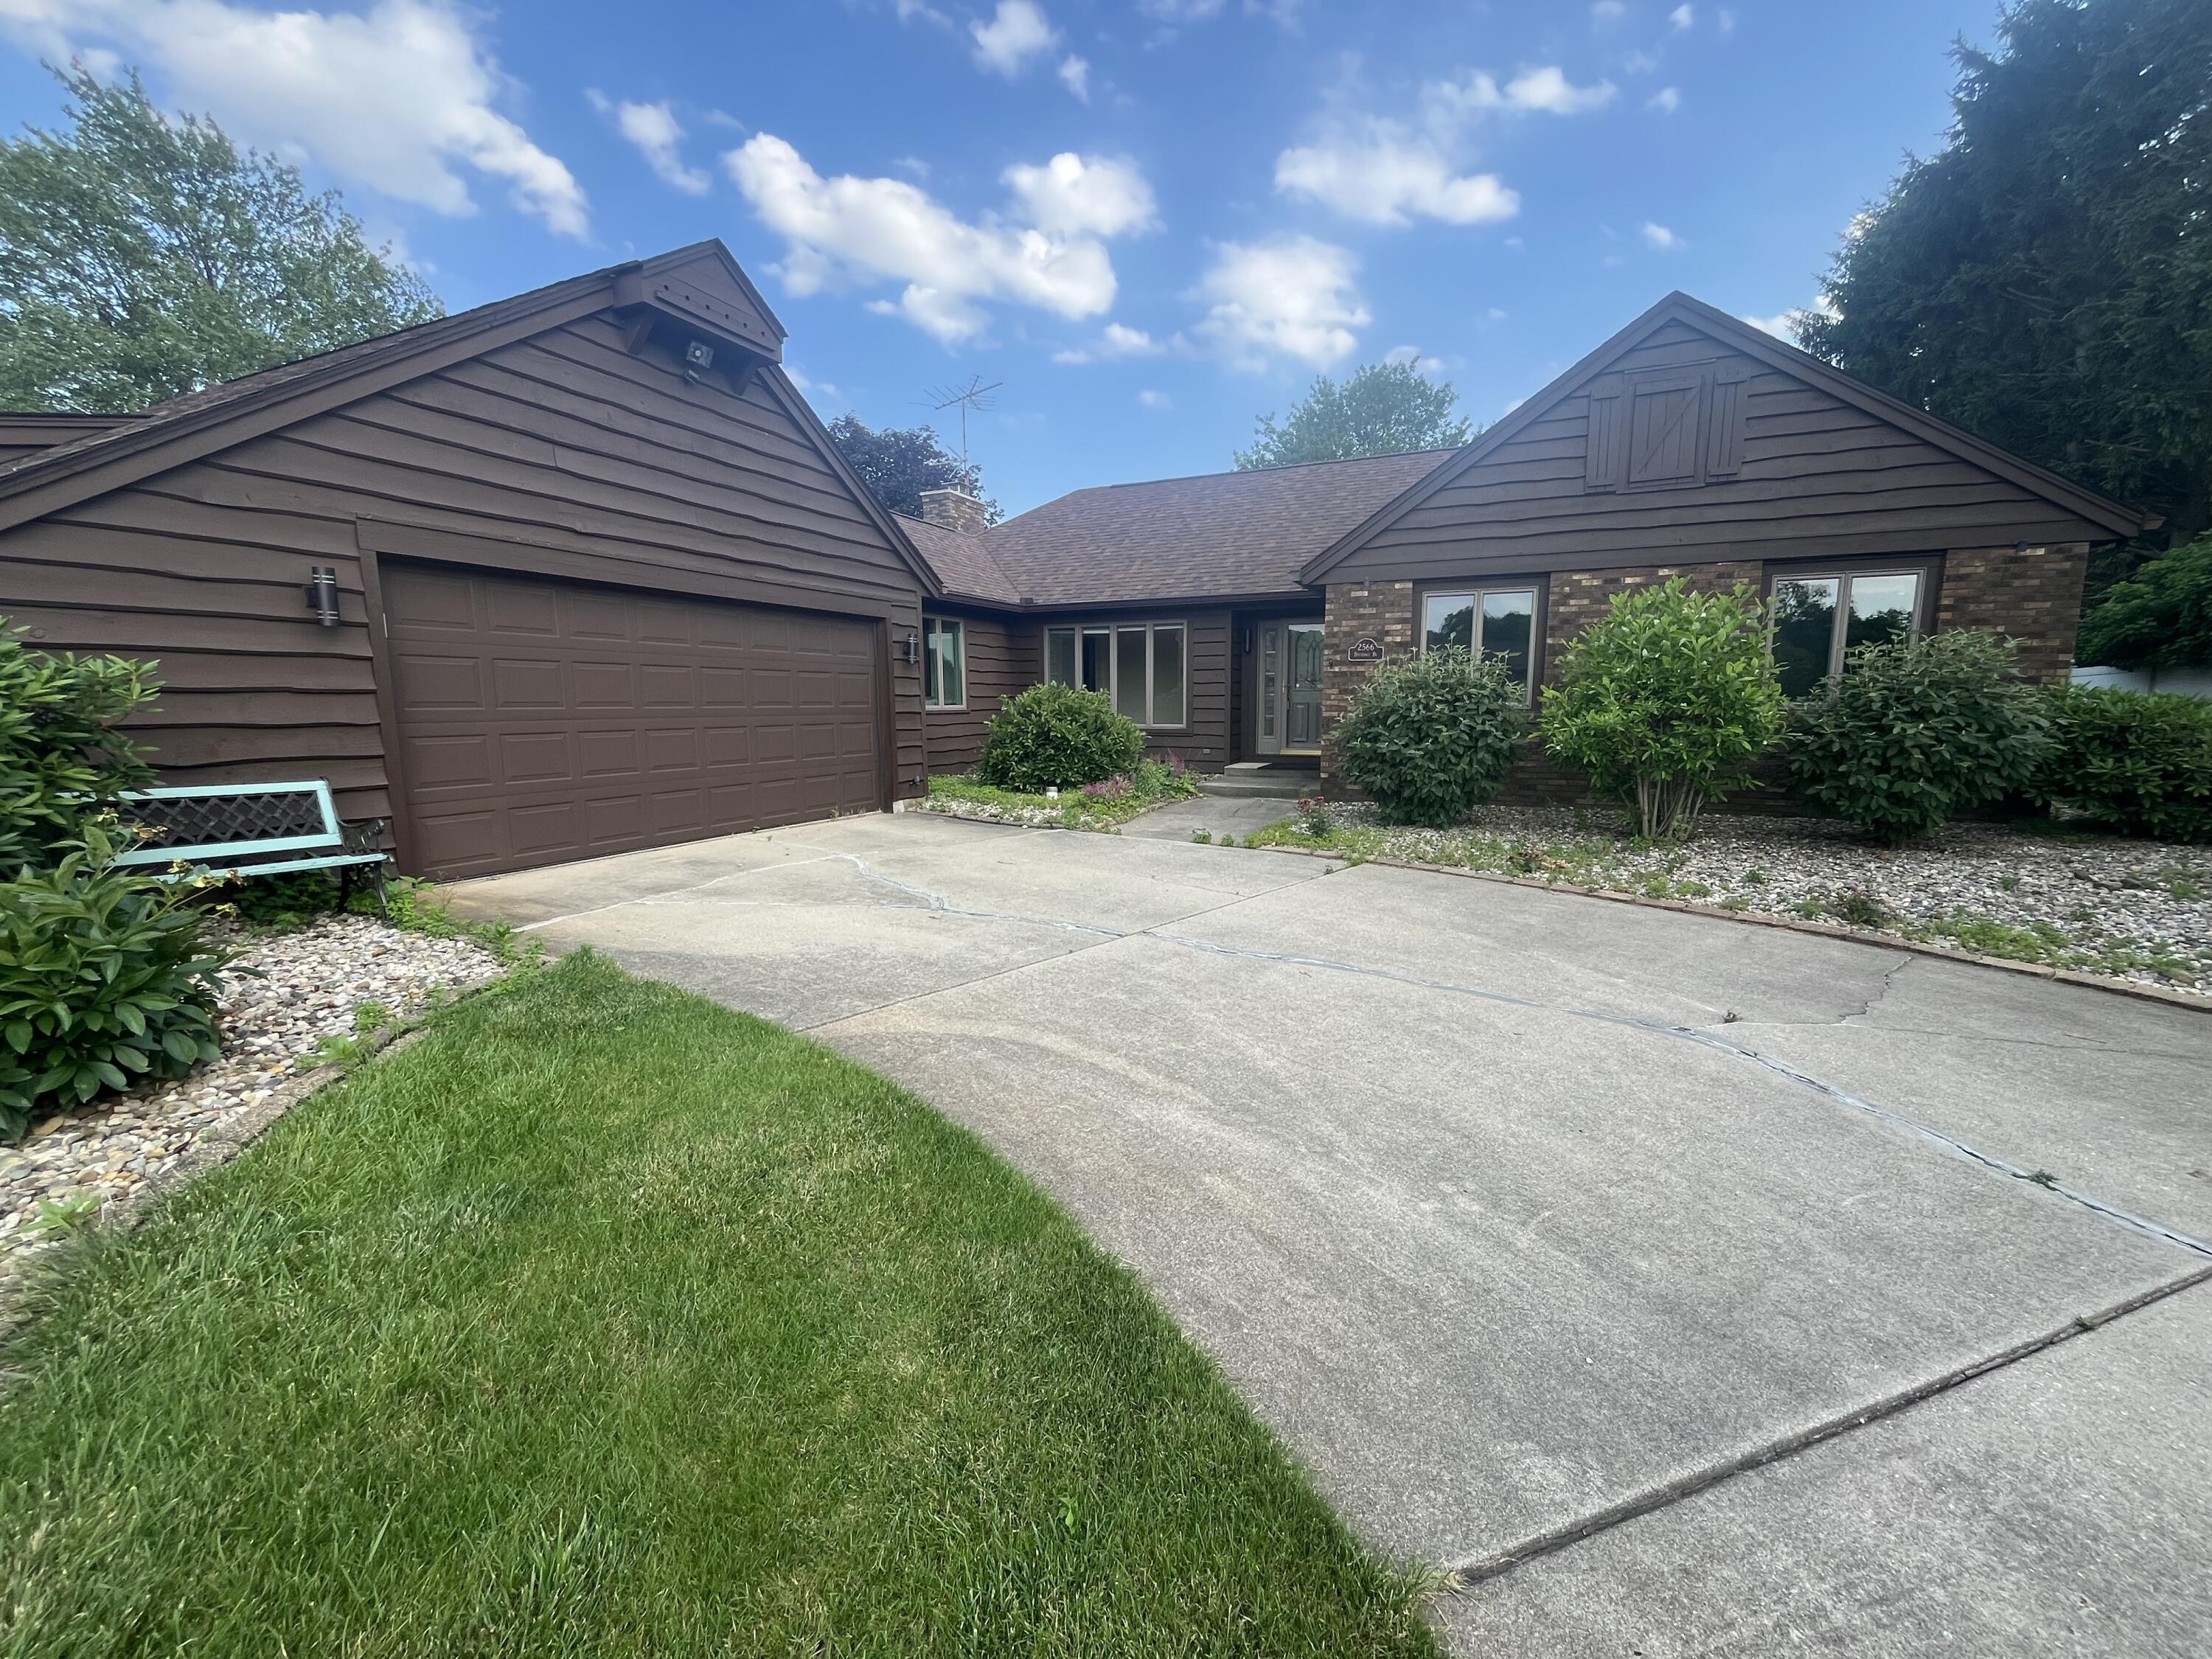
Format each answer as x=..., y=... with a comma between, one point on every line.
x=1290, y=658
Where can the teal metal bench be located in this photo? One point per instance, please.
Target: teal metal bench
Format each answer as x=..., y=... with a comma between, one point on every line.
x=233, y=830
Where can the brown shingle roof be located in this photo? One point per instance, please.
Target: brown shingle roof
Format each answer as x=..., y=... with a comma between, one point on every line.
x=1215, y=536
x=962, y=562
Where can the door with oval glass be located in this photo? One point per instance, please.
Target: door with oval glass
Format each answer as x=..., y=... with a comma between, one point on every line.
x=1290, y=658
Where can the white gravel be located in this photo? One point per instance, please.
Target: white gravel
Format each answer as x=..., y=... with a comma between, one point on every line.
x=315, y=981
x=2136, y=910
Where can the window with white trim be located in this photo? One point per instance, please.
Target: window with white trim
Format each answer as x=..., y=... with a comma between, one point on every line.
x=944, y=664
x=1820, y=616
x=1142, y=667
x=1498, y=623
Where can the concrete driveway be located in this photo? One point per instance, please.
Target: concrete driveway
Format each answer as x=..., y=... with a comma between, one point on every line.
x=1681, y=1286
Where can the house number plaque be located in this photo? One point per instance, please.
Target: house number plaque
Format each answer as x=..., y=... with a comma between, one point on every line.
x=1366, y=648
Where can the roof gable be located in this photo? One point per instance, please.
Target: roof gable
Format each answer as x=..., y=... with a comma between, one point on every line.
x=185, y=428
x=1604, y=437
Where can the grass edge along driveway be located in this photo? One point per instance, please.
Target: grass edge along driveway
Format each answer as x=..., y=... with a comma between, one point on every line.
x=603, y=1320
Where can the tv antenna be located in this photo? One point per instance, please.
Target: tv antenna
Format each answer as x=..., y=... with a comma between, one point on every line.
x=973, y=396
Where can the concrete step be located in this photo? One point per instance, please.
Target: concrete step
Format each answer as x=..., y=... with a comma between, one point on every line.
x=1272, y=785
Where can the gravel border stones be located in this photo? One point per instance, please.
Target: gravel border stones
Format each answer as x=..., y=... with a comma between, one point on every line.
x=126, y=1149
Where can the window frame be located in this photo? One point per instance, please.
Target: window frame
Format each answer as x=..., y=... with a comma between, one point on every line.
x=1475, y=592
x=1928, y=568
x=933, y=633
x=1113, y=630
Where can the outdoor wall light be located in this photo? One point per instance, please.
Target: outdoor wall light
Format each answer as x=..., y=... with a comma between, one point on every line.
x=911, y=646
x=698, y=358
x=323, y=593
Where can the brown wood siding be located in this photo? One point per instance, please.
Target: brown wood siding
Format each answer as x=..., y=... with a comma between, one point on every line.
x=1813, y=476
x=1202, y=743
x=563, y=441
x=1003, y=660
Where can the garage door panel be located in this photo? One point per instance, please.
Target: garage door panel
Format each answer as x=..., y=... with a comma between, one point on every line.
x=504, y=685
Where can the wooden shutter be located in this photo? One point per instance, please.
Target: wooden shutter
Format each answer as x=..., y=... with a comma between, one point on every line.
x=1602, y=470
x=1664, y=430
x=1724, y=442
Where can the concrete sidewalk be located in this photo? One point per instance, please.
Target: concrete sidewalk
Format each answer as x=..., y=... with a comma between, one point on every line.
x=1523, y=1216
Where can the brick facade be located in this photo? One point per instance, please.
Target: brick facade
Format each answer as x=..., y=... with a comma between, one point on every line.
x=1579, y=598
x=2034, y=594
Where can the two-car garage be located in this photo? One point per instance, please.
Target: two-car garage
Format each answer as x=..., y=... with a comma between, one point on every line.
x=569, y=574
x=541, y=721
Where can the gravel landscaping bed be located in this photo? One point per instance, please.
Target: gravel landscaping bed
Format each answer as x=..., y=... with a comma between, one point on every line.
x=2135, y=910
x=314, y=982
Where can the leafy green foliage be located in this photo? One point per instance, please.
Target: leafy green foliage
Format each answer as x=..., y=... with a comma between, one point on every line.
x=104, y=980
x=1383, y=408
x=1057, y=737
x=2160, y=617
x=1667, y=700
x=2043, y=280
x=1914, y=732
x=1431, y=737
x=898, y=463
x=2136, y=762
x=141, y=257
x=59, y=753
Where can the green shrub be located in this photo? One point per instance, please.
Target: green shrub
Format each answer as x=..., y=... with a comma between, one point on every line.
x=2137, y=762
x=104, y=980
x=60, y=754
x=2160, y=617
x=1913, y=732
x=1432, y=737
x=1667, y=700
x=1056, y=737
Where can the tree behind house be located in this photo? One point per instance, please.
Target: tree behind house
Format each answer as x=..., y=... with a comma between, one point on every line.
x=141, y=257
x=2045, y=280
x=1384, y=409
x=898, y=463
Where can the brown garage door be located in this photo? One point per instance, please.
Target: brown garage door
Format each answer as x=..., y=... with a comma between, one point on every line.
x=544, y=720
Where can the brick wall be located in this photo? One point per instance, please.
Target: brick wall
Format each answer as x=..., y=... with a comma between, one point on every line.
x=1381, y=611
x=2033, y=594
x=1579, y=598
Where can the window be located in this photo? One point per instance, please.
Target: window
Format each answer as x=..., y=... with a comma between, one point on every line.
x=1820, y=619
x=1496, y=623
x=944, y=664
x=1140, y=666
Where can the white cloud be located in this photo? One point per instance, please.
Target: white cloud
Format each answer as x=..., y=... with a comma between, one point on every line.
x=851, y=229
x=1666, y=100
x=1073, y=195
x=1075, y=76
x=1544, y=89
x=1608, y=11
x=1681, y=17
x=1660, y=237
x=398, y=97
x=1412, y=358
x=1640, y=62
x=1388, y=176
x=653, y=128
x=1727, y=20
x=1291, y=296
x=1115, y=340
x=907, y=10
x=1017, y=33
x=1783, y=325
x=1151, y=399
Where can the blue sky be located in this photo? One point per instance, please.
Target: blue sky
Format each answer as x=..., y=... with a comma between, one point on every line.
x=1152, y=221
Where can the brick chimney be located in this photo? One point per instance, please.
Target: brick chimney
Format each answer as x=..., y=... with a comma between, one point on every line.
x=954, y=509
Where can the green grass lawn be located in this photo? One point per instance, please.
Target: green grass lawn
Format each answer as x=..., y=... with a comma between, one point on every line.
x=602, y=1320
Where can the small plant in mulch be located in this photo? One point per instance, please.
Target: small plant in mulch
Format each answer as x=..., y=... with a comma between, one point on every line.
x=1857, y=907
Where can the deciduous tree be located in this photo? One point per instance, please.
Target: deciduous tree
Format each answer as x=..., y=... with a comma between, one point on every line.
x=1383, y=408
x=143, y=257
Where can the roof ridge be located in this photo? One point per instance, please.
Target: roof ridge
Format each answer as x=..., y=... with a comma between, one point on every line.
x=1254, y=471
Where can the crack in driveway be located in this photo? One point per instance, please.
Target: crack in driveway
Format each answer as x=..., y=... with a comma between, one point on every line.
x=939, y=905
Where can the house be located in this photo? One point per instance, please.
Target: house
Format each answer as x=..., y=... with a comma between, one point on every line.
x=580, y=572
